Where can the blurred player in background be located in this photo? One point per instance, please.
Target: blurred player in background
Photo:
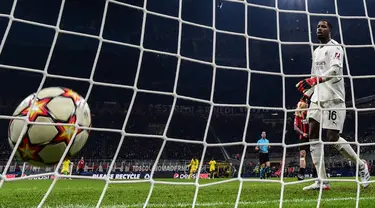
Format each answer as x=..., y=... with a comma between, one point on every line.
x=81, y=166
x=193, y=166
x=329, y=92
x=66, y=167
x=301, y=126
x=264, y=160
x=212, y=164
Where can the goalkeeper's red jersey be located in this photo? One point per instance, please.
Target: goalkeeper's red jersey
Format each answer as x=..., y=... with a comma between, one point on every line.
x=302, y=123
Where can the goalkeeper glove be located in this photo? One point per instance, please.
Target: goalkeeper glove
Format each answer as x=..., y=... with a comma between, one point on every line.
x=308, y=83
x=307, y=95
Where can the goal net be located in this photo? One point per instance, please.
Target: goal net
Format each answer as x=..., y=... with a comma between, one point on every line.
x=170, y=80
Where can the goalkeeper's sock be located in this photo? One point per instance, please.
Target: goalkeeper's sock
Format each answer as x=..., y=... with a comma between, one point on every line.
x=347, y=151
x=316, y=154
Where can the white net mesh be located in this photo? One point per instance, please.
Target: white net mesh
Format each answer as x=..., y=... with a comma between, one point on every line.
x=100, y=42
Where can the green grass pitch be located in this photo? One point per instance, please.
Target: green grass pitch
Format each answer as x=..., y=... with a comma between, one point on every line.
x=79, y=193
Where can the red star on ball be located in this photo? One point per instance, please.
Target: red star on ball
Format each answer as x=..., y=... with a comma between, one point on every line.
x=66, y=132
x=38, y=109
x=70, y=93
x=28, y=151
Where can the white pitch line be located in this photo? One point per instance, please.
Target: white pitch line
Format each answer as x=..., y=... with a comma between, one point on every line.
x=215, y=203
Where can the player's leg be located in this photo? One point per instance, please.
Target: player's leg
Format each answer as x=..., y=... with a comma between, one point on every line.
x=334, y=122
x=261, y=164
x=64, y=172
x=261, y=171
x=268, y=165
x=302, y=164
x=302, y=161
x=268, y=169
x=344, y=148
x=316, y=149
x=348, y=152
x=195, y=172
x=316, y=155
x=212, y=175
x=263, y=159
x=191, y=173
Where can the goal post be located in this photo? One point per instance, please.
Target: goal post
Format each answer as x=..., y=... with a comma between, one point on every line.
x=102, y=35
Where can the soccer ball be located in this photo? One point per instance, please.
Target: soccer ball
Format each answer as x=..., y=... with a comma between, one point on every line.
x=44, y=145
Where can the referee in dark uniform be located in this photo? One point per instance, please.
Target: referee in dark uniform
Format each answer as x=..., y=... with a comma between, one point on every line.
x=264, y=160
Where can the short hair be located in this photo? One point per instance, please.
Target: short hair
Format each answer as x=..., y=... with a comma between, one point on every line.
x=328, y=23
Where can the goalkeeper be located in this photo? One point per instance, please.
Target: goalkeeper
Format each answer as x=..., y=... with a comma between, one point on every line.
x=326, y=78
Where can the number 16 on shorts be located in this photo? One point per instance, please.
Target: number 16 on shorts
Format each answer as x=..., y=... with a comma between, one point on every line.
x=334, y=119
x=332, y=115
